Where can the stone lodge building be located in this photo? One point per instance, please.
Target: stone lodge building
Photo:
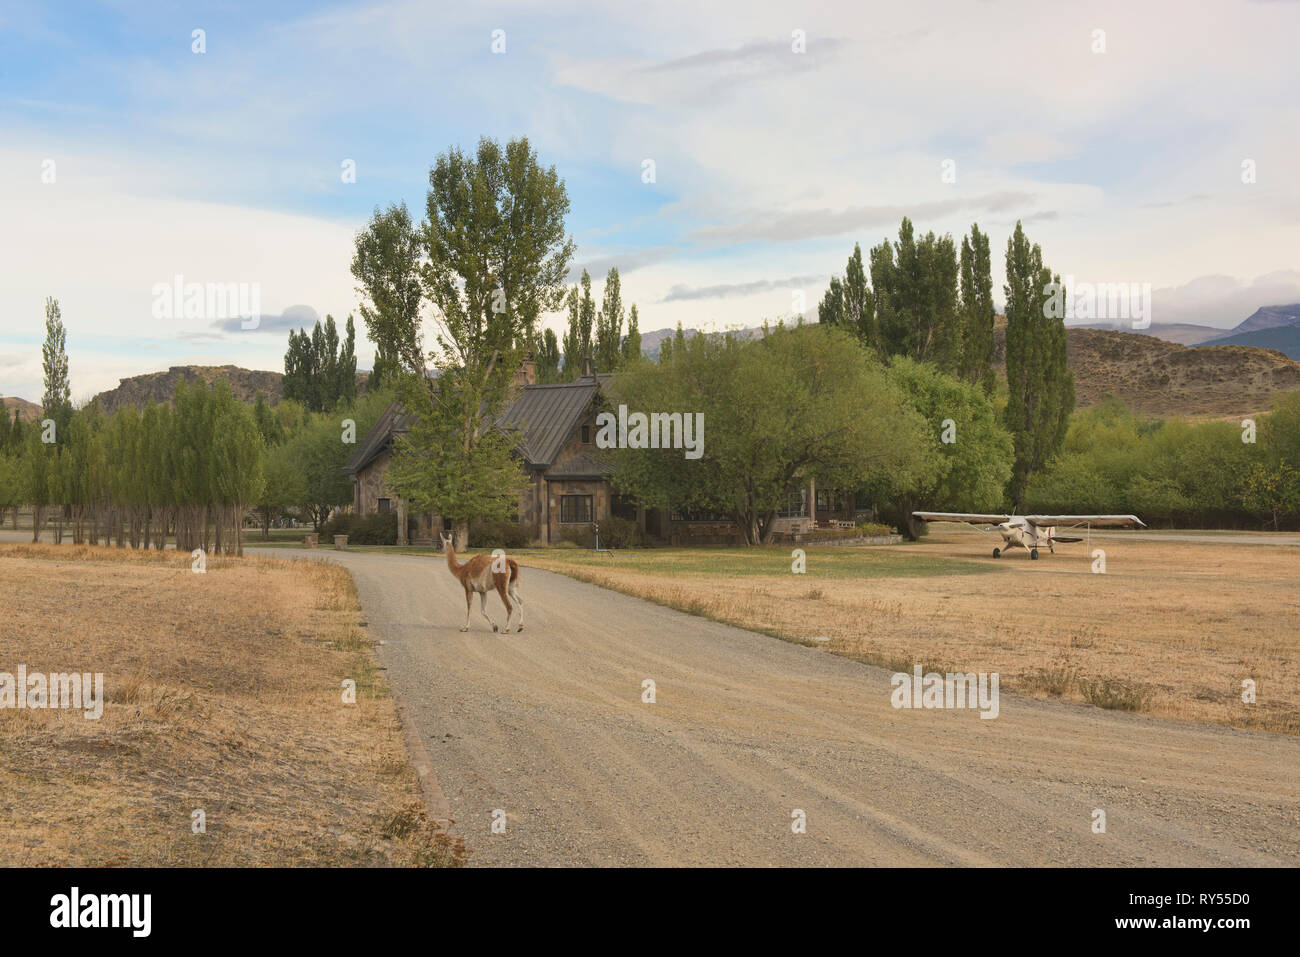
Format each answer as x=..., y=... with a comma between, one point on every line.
x=568, y=489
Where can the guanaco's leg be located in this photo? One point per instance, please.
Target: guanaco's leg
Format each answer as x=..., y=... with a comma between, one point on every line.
x=500, y=582
x=482, y=606
x=514, y=593
x=469, y=597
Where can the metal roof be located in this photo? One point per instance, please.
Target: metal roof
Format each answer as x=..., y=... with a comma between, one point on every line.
x=544, y=416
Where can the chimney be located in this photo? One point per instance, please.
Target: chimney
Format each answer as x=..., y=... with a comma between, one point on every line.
x=588, y=370
x=526, y=374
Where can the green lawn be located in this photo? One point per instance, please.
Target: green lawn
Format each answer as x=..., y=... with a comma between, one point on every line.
x=886, y=561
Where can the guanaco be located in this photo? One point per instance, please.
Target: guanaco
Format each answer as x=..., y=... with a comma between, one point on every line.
x=481, y=574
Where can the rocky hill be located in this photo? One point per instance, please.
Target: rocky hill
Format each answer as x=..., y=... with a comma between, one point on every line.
x=28, y=411
x=141, y=390
x=1156, y=377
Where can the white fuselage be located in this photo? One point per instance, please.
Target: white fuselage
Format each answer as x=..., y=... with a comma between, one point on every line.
x=1017, y=531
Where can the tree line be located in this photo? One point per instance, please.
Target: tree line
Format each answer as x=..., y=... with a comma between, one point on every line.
x=188, y=470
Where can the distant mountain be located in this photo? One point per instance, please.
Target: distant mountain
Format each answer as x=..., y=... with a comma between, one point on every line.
x=27, y=411
x=1285, y=339
x=1266, y=317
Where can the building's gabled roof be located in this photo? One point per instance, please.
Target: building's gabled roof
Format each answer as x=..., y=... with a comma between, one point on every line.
x=379, y=439
x=543, y=416
x=546, y=415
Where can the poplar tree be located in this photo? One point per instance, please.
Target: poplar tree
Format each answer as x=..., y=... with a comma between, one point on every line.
x=1039, y=382
x=546, y=352
x=977, y=310
x=386, y=265
x=582, y=318
x=609, y=325
x=57, y=401
x=914, y=282
x=632, y=341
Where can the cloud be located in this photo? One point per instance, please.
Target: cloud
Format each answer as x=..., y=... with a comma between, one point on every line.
x=697, y=77
x=292, y=319
x=1223, y=301
x=751, y=58
x=681, y=292
x=626, y=262
x=1166, y=204
x=810, y=224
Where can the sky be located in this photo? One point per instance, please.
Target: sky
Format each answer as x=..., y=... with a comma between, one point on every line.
x=780, y=134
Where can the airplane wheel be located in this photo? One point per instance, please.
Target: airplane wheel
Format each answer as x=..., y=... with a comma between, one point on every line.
x=1034, y=554
x=997, y=552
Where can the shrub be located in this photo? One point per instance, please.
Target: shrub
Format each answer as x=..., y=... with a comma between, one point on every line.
x=1115, y=694
x=497, y=533
x=618, y=532
x=377, y=529
x=584, y=536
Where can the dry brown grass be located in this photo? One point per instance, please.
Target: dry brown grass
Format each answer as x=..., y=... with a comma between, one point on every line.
x=223, y=693
x=1172, y=628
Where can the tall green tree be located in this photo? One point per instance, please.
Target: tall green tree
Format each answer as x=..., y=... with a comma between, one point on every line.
x=914, y=285
x=547, y=355
x=1039, y=382
x=632, y=341
x=386, y=265
x=318, y=372
x=57, y=401
x=977, y=311
x=492, y=257
x=578, y=345
x=859, y=303
x=609, y=325
x=345, y=390
x=830, y=311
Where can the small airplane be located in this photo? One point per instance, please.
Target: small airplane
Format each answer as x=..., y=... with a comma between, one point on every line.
x=1032, y=531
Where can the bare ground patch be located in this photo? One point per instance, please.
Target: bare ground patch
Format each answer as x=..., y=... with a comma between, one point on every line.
x=222, y=694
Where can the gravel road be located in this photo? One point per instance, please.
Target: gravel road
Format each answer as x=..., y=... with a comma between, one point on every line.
x=549, y=726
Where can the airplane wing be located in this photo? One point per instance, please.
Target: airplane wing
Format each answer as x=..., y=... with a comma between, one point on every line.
x=974, y=518
x=1096, y=521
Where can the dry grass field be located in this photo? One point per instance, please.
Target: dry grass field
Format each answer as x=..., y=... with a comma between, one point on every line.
x=1171, y=629
x=222, y=693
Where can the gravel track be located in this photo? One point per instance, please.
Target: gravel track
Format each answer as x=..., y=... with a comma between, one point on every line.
x=548, y=725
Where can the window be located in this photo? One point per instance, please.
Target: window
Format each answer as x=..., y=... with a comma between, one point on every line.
x=586, y=435
x=575, y=509
x=796, y=503
x=384, y=504
x=623, y=506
